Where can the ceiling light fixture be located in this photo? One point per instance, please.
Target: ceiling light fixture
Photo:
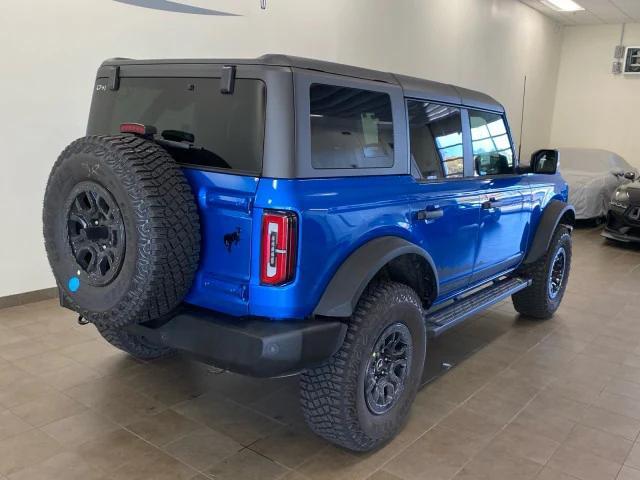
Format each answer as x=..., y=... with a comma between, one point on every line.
x=563, y=5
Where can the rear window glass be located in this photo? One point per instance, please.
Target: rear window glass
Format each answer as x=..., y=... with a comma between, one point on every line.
x=350, y=128
x=198, y=125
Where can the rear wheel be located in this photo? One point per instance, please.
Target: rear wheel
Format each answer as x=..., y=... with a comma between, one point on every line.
x=549, y=277
x=360, y=398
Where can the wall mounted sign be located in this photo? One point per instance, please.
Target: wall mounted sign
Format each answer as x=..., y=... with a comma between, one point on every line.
x=632, y=60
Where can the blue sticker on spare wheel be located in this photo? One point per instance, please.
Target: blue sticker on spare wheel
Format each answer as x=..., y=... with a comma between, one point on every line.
x=74, y=284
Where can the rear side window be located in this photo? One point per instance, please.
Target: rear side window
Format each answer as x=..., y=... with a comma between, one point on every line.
x=199, y=125
x=350, y=128
x=435, y=135
x=492, y=152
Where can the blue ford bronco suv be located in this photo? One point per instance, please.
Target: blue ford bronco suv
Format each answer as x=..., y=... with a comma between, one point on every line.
x=282, y=215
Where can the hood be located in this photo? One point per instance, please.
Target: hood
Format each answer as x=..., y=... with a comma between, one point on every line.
x=578, y=178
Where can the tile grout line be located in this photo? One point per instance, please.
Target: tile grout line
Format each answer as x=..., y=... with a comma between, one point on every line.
x=466, y=400
x=165, y=408
x=492, y=437
x=168, y=454
x=464, y=404
x=588, y=405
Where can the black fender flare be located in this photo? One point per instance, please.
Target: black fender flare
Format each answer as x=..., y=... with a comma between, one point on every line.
x=551, y=216
x=345, y=288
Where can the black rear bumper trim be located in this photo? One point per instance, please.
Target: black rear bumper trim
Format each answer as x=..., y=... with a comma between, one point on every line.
x=256, y=347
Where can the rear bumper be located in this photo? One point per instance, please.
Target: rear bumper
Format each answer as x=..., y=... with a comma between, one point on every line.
x=256, y=347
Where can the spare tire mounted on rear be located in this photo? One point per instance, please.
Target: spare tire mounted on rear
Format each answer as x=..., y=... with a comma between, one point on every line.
x=121, y=230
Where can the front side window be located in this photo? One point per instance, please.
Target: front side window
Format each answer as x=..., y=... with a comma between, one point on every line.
x=435, y=133
x=350, y=128
x=492, y=152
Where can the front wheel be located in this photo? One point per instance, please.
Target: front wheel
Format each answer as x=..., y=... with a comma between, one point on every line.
x=360, y=398
x=549, y=276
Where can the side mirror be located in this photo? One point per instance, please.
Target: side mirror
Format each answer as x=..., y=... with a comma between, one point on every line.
x=545, y=161
x=630, y=176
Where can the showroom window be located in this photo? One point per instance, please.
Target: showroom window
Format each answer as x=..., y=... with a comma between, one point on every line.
x=350, y=128
x=492, y=152
x=435, y=135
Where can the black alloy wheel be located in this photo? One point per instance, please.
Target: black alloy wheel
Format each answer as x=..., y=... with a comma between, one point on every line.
x=388, y=368
x=556, y=273
x=96, y=232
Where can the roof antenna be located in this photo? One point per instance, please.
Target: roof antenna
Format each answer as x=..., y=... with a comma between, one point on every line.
x=524, y=93
x=263, y=4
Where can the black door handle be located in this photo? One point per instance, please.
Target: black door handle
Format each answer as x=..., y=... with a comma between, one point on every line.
x=491, y=203
x=429, y=214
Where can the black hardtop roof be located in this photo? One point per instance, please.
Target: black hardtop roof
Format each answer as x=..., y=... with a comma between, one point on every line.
x=413, y=87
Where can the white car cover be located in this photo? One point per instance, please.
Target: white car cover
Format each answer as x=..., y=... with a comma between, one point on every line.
x=593, y=176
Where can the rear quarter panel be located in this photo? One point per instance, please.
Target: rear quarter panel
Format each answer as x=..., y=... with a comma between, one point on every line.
x=336, y=216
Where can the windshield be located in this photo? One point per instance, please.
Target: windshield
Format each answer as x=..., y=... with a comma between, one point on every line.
x=201, y=126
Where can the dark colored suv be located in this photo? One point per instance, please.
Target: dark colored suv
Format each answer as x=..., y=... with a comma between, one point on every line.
x=284, y=215
x=623, y=216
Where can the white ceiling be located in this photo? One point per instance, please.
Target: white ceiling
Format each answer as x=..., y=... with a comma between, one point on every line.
x=596, y=12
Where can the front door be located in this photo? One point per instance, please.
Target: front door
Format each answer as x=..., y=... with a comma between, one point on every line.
x=504, y=226
x=445, y=208
x=504, y=212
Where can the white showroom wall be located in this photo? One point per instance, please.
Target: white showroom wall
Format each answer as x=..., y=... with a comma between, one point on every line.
x=51, y=50
x=595, y=108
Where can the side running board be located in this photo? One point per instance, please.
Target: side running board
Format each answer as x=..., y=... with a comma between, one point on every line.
x=455, y=313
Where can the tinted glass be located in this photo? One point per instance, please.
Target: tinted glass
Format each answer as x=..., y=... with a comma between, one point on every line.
x=350, y=128
x=208, y=128
x=435, y=133
x=546, y=161
x=492, y=151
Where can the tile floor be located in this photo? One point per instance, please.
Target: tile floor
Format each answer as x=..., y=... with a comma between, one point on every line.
x=554, y=400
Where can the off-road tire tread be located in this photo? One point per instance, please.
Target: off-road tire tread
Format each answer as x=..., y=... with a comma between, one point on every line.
x=134, y=345
x=166, y=214
x=327, y=392
x=534, y=301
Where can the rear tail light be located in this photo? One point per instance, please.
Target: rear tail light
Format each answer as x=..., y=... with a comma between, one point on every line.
x=279, y=245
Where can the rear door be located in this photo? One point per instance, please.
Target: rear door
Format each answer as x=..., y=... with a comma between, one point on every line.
x=218, y=138
x=505, y=208
x=445, y=208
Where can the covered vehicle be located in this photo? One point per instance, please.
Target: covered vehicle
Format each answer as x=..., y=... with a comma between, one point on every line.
x=593, y=177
